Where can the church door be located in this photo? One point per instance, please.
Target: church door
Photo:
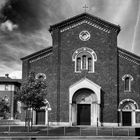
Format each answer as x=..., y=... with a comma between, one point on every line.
x=40, y=117
x=126, y=118
x=83, y=114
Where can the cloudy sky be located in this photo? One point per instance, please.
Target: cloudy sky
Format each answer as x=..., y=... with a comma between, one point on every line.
x=24, y=25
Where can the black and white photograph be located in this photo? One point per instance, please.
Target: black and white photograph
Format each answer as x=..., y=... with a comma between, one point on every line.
x=69, y=69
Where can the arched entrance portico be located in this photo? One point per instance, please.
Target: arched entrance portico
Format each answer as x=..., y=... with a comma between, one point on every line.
x=84, y=107
x=127, y=109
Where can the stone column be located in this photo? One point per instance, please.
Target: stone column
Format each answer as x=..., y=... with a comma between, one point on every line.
x=46, y=117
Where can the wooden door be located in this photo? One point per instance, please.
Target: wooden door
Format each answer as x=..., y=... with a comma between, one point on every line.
x=40, y=117
x=83, y=114
x=126, y=119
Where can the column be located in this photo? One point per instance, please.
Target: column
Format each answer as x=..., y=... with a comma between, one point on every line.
x=74, y=114
x=133, y=117
x=94, y=114
x=70, y=114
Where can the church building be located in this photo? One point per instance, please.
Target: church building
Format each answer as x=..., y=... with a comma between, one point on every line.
x=91, y=81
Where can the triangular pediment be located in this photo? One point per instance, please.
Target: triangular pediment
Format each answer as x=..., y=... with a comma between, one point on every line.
x=85, y=82
x=85, y=18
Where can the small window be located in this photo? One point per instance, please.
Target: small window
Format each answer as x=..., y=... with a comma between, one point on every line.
x=127, y=82
x=6, y=87
x=84, y=62
x=89, y=64
x=78, y=64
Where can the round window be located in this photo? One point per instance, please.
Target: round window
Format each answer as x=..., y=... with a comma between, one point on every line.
x=84, y=35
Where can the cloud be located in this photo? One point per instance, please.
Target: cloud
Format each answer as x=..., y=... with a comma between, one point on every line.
x=8, y=26
x=31, y=15
x=16, y=75
x=2, y=3
x=122, y=12
x=25, y=23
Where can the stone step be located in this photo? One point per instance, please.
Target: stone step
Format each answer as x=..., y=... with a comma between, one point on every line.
x=9, y=122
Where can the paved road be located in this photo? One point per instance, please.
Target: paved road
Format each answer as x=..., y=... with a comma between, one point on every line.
x=69, y=138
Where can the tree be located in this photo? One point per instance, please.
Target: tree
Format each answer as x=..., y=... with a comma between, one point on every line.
x=4, y=107
x=33, y=92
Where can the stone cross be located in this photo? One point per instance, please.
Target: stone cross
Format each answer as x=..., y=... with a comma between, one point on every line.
x=85, y=7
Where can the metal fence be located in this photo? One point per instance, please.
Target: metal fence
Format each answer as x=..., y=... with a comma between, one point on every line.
x=69, y=131
x=90, y=131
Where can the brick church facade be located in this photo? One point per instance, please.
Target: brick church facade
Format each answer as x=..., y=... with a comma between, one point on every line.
x=91, y=81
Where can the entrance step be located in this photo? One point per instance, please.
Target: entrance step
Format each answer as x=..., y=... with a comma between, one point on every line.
x=9, y=122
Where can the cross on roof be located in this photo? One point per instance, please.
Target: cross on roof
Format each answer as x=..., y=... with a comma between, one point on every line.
x=85, y=7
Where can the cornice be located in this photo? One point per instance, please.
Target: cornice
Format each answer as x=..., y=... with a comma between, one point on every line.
x=129, y=56
x=130, y=60
x=39, y=57
x=86, y=22
x=86, y=16
x=38, y=53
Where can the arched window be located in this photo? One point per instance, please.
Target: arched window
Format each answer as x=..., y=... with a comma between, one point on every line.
x=127, y=82
x=84, y=59
x=40, y=76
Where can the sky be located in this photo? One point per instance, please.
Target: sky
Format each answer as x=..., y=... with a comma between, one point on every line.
x=24, y=25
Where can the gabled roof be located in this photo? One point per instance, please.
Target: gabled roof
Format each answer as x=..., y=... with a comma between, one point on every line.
x=88, y=16
x=129, y=55
x=9, y=80
x=41, y=52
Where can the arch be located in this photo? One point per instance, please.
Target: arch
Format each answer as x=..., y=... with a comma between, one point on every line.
x=84, y=101
x=127, y=75
x=85, y=83
x=84, y=49
x=131, y=103
x=84, y=95
x=91, y=98
x=127, y=109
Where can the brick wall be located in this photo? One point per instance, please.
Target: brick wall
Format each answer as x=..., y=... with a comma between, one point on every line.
x=128, y=67
x=105, y=75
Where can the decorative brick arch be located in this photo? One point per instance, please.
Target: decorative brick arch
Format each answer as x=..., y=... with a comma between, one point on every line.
x=87, y=52
x=121, y=104
x=84, y=49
